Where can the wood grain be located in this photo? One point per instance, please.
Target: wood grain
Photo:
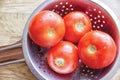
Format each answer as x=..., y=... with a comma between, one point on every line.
x=18, y=71
x=10, y=55
x=13, y=16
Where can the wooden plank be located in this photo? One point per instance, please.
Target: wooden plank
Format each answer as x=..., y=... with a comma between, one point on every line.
x=13, y=16
x=18, y=71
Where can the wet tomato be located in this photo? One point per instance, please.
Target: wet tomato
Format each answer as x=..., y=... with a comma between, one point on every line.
x=63, y=57
x=77, y=24
x=97, y=49
x=46, y=28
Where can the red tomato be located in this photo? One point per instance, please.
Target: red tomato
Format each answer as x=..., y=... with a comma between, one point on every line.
x=46, y=28
x=63, y=57
x=77, y=24
x=97, y=49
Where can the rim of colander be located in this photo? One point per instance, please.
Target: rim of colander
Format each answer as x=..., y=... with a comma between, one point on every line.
x=116, y=65
x=28, y=59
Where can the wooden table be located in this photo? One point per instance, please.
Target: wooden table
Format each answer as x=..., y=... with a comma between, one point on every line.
x=13, y=16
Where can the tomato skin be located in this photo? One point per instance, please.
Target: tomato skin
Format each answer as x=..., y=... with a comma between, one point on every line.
x=63, y=50
x=77, y=24
x=97, y=49
x=46, y=28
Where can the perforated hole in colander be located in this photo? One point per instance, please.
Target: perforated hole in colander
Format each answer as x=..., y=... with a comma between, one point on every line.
x=100, y=19
x=96, y=15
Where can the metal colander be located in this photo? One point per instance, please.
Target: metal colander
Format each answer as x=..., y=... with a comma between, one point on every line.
x=102, y=18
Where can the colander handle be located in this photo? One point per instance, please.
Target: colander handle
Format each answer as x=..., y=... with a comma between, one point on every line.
x=11, y=54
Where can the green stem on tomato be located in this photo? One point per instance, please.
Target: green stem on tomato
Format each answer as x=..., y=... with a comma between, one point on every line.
x=59, y=62
x=79, y=26
x=91, y=49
